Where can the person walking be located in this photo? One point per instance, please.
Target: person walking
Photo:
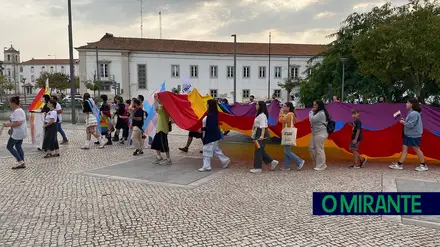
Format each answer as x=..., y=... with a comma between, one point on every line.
x=319, y=120
x=211, y=136
x=412, y=136
x=50, y=142
x=137, y=124
x=288, y=119
x=59, y=110
x=160, y=140
x=259, y=135
x=105, y=123
x=90, y=108
x=17, y=132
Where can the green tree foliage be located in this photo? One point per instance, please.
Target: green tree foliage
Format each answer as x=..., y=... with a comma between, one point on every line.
x=58, y=81
x=289, y=85
x=381, y=51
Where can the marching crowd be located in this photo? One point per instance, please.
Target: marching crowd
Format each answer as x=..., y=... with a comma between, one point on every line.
x=129, y=117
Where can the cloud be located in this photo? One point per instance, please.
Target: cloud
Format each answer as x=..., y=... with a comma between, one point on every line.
x=40, y=26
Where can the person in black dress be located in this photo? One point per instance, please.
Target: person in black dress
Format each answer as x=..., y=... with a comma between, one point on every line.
x=50, y=142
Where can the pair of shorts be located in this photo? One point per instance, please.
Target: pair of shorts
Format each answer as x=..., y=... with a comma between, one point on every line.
x=196, y=135
x=411, y=142
x=160, y=142
x=354, y=147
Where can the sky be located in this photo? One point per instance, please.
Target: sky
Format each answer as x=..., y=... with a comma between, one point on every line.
x=38, y=28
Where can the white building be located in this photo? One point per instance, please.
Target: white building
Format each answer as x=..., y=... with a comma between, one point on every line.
x=11, y=63
x=32, y=69
x=141, y=65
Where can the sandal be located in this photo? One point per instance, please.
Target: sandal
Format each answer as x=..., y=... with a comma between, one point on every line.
x=18, y=167
x=48, y=156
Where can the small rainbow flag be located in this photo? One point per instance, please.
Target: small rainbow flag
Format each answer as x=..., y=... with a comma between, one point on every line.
x=257, y=144
x=397, y=114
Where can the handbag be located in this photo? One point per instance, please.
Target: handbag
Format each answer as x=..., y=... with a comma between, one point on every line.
x=288, y=134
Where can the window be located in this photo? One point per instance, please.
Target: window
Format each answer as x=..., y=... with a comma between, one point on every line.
x=9, y=72
x=277, y=93
x=9, y=57
x=104, y=70
x=294, y=72
x=246, y=93
x=194, y=70
x=213, y=71
x=43, y=68
x=21, y=69
x=246, y=71
x=142, y=76
x=32, y=69
x=62, y=69
x=262, y=72
x=21, y=78
x=51, y=69
x=175, y=71
x=214, y=93
x=16, y=58
x=230, y=70
x=32, y=78
x=277, y=72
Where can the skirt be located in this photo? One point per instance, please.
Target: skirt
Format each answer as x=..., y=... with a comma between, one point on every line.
x=160, y=142
x=50, y=141
x=91, y=120
x=197, y=135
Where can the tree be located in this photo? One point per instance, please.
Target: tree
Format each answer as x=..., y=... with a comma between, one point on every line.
x=4, y=85
x=92, y=85
x=1, y=68
x=404, y=48
x=175, y=90
x=289, y=85
x=58, y=81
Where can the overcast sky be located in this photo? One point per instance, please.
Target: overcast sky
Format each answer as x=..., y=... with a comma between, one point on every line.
x=38, y=28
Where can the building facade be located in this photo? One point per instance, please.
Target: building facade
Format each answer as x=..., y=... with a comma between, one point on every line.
x=141, y=65
x=11, y=65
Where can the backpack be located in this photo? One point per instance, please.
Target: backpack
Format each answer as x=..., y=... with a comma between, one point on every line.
x=331, y=125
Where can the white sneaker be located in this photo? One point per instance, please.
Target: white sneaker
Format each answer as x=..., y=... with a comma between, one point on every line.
x=165, y=162
x=422, y=168
x=86, y=145
x=300, y=166
x=320, y=168
x=204, y=169
x=274, y=164
x=157, y=160
x=255, y=171
x=226, y=164
x=102, y=142
x=396, y=166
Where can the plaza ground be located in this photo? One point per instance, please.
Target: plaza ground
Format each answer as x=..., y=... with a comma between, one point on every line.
x=110, y=198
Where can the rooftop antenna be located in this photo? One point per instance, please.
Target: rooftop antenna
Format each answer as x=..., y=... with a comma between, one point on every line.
x=142, y=18
x=160, y=24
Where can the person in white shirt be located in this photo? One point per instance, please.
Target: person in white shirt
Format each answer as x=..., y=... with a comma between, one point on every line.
x=59, y=110
x=259, y=134
x=50, y=142
x=17, y=132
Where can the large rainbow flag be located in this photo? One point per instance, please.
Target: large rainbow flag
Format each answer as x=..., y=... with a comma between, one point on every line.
x=38, y=102
x=36, y=120
x=382, y=133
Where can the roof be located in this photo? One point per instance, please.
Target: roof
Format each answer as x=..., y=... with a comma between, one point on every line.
x=11, y=49
x=48, y=62
x=109, y=42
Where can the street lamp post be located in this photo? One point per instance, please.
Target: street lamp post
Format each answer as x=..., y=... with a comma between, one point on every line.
x=54, y=55
x=23, y=80
x=72, y=69
x=235, y=67
x=343, y=60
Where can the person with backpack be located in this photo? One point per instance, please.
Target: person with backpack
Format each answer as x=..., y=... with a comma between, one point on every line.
x=321, y=126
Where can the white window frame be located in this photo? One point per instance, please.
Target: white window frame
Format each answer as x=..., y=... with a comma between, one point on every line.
x=246, y=71
x=213, y=71
x=51, y=69
x=32, y=69
x=43, y=69
x=62, y=69
x=262, y=72
x=175, y=70
x=194, y=71
x=141, y=86
x=246, y=93
x=277, y=93
x=213, y=93
x=229, y=71
x=104, y=70
x=278, y=72
x=32, y=78
x=294, y=72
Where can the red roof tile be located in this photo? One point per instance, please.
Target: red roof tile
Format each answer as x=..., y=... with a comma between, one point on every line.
x=48, y=62
x=109, y=42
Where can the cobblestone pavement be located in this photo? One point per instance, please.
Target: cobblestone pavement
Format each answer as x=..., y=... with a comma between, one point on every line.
x=49, y=204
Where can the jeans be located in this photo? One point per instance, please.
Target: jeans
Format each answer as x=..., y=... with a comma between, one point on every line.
x=261, y=156
x=62, y=132
x=17, y=152
x=290, y=156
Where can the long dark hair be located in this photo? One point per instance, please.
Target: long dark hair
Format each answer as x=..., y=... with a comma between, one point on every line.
x=262, y=108
x=321, y=107
x=212, y=106
x=291, y=107
x=415, y=105
x=46, y=98
x=86, y=96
